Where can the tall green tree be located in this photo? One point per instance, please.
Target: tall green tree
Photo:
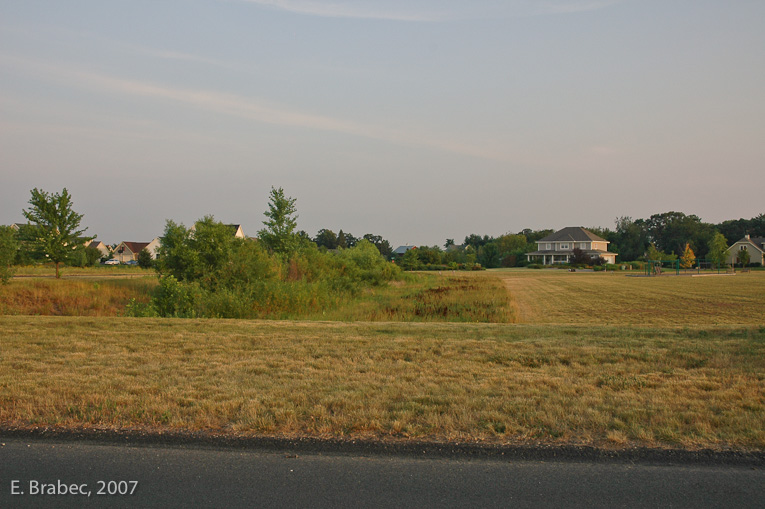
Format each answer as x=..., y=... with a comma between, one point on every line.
x=145, y=261
x=670, y=231
x=58, y=232
x=630, y=239
x=342, y=243
x=381, y=244
x=718, y=249
x=410, y=260
x=326, y=238
x=8, y=248
x=279, y=232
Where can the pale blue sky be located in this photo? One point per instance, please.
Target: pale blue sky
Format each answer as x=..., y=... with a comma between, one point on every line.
x=415, y=120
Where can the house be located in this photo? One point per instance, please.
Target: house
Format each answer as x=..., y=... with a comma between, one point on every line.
x=103, y=248
x=559, y=246
x=400, y=250
x=126, y=251
x=236, y=229
x=754, y=245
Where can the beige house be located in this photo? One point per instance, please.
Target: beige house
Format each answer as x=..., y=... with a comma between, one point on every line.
x=127, y=251
x=754, y=245
x=559, y=247
x=103, y=248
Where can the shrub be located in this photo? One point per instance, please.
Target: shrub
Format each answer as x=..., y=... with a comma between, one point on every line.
x=176, y=299
x=534, y=266
x=145, y=261
x=9, y=246
x=208, y=273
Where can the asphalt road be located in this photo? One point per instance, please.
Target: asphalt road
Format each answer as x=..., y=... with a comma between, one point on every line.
x=186, y=476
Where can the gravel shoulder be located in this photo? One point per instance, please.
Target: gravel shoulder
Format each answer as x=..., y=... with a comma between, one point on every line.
x=394, y=447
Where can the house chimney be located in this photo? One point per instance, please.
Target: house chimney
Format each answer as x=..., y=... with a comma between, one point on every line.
x=746, y=236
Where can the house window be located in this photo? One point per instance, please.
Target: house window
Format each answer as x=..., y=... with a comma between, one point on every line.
x=549, y=246
x=564, y=246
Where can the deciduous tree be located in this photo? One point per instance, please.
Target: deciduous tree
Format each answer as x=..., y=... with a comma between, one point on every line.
x=279, y=232
x=718, y=249
x=688, y=258
x=326, y=238
x=58, y=232
x=8, y=248
x=743, y=257
x=381, y=244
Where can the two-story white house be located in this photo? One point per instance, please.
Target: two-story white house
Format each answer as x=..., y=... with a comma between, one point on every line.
x=559, y=247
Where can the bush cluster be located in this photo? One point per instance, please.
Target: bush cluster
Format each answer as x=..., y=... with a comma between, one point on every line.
x=207, y=272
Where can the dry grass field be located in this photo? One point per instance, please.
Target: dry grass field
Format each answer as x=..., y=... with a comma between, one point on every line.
x=602, y=359
x=83, y=296
x=606, y=386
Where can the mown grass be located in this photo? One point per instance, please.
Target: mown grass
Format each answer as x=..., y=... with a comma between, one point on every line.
x=556, y=296
x=612, y=386
x=49, y=270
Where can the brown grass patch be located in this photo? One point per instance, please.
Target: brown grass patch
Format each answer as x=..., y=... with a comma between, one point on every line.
x=698, y=387
x=72, y=297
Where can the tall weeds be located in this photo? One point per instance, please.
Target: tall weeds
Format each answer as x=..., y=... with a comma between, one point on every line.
x=73, y=297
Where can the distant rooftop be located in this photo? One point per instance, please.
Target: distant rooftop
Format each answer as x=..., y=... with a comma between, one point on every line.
x=572, y=234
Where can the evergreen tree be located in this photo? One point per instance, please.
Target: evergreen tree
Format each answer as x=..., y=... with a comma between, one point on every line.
x=145, y=260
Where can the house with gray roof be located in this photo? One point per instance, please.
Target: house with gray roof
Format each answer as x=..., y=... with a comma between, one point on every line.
x=400, y=250
x=559, y=246
x=754, y=245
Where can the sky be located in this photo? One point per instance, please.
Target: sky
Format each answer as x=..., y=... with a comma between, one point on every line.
x=417, y=120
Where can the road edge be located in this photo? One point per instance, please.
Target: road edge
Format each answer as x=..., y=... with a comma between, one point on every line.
x=391, y=447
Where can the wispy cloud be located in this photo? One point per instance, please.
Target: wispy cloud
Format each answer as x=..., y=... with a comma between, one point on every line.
x=250, y=108
x=359, y=9
x=572, y=6
x=432, y=11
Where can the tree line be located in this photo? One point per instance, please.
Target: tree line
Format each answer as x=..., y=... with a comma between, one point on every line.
x=54, y=234
x=669, y=235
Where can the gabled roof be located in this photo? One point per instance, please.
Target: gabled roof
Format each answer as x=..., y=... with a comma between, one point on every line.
x=572, y=234
x=402, y=249
x=758, y=242
x=135, y=247
x=235, y=229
